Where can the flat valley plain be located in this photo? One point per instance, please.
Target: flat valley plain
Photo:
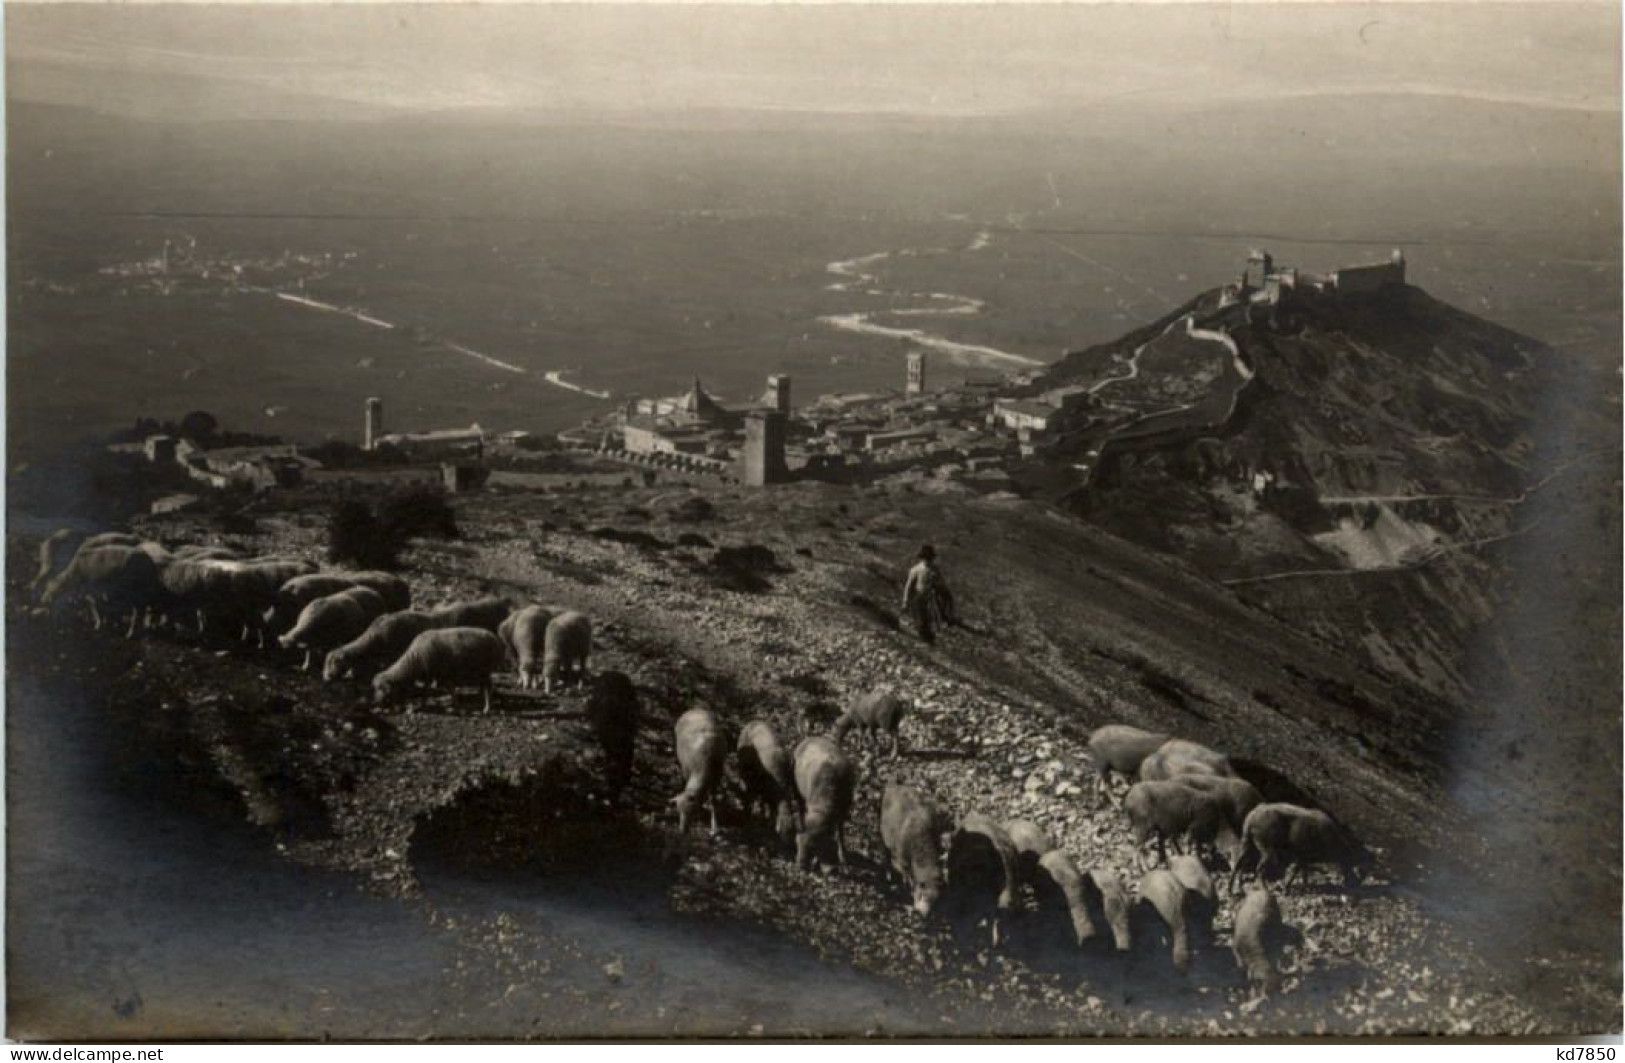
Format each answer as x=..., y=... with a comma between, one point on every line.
x=635, y=254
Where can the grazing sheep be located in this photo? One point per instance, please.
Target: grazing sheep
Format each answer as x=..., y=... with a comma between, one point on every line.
x=254, y=584
x=1177, y=757
x=330, y=622
x=877, y=712
x=769, y=778
x=525, y=633
x=1172, y=811
x=567, y=645
x=825, y=782
x=452, y=657
x=702, y=753
x=1300, y=837
x=612, y=713
x=1105, y=889
x=53, y=550
x=1031, y=843
x=1238, y=796
x=198, y=552
x=294, y=595
x=1057, y=883
x=157, y=551
x=123, y=578
x=982, y=866
x=396, y=592
x=1120, y=748
x=910, y=829
x=378, y=647
x=487, y=613
x=1201, y=899
x=1255, y=942
x=1161, y=892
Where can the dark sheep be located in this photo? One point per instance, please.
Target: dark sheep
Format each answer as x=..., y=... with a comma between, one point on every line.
x=825, y=783
x=1120, y=748
x=875, y=713
x=1161, y=893
x=380, y=646
x=910, y=829
x=1256, y=940
x=252, y=589
x=567, y=645
x=1171, y=811
x=1300, y=837
x=450, y=657
x=612, y=713
x=485, y=613
x=702, y=753
x=769, y=778
x=1031, y=843
x=1178, y=757
x=982, y=869
x=525, y=633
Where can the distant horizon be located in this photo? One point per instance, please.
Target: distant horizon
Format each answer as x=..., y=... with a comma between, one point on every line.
x=913, y=60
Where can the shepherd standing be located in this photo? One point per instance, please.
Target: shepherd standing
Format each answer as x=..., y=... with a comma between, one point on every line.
x=926, y=596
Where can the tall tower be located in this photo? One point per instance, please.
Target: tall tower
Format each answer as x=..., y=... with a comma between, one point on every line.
x=374, y=425
x=916, y=373
x=763, y=459
x=778, y=393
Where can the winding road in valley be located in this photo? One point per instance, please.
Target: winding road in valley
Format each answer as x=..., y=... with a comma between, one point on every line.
x=856, y=276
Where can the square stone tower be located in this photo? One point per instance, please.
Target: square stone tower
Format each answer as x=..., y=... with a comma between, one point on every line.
x=763, y=460
x=778, y=393
x=916, y=374
x=374, y=424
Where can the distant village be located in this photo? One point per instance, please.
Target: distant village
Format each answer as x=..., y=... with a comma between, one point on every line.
x=974, y=432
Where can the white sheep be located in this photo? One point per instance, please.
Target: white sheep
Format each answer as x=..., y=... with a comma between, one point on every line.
x=567, y=645
x=376, y=648
x=328, y=623
x=525, y=634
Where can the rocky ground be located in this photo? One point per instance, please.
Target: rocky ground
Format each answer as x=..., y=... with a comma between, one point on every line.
x=782, y=604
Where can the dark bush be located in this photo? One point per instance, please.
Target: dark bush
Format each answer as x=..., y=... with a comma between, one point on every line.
x=694, y=539
x=418, y=513
x=693, y=510
x=355, y=536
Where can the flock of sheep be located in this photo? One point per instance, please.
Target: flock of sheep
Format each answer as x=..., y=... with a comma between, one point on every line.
x=978, y=867
x=357, y=625
x=360, y=625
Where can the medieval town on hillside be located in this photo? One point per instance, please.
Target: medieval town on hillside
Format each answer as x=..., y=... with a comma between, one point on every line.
x=973, y=431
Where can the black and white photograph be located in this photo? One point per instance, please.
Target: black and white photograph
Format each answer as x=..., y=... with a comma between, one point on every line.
x=812, y=521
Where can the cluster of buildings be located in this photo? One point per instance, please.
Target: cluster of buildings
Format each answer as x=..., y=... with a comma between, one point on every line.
x=1262, y=282
x=964, y=428
x=258, y=467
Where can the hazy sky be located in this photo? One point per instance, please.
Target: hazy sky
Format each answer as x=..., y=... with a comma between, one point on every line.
x=913, y=58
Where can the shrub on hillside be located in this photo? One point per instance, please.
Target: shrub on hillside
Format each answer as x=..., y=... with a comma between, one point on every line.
x=355, y=536
x=418, y=513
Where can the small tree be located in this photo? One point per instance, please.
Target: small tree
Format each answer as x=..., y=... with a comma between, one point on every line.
x=199, y=426
x=418, y=513
x=356, y=536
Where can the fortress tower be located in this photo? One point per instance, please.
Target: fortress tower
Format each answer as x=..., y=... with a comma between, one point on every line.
x=778, y=393
x=374, y=424
x=763, y=459
x=916, y=374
